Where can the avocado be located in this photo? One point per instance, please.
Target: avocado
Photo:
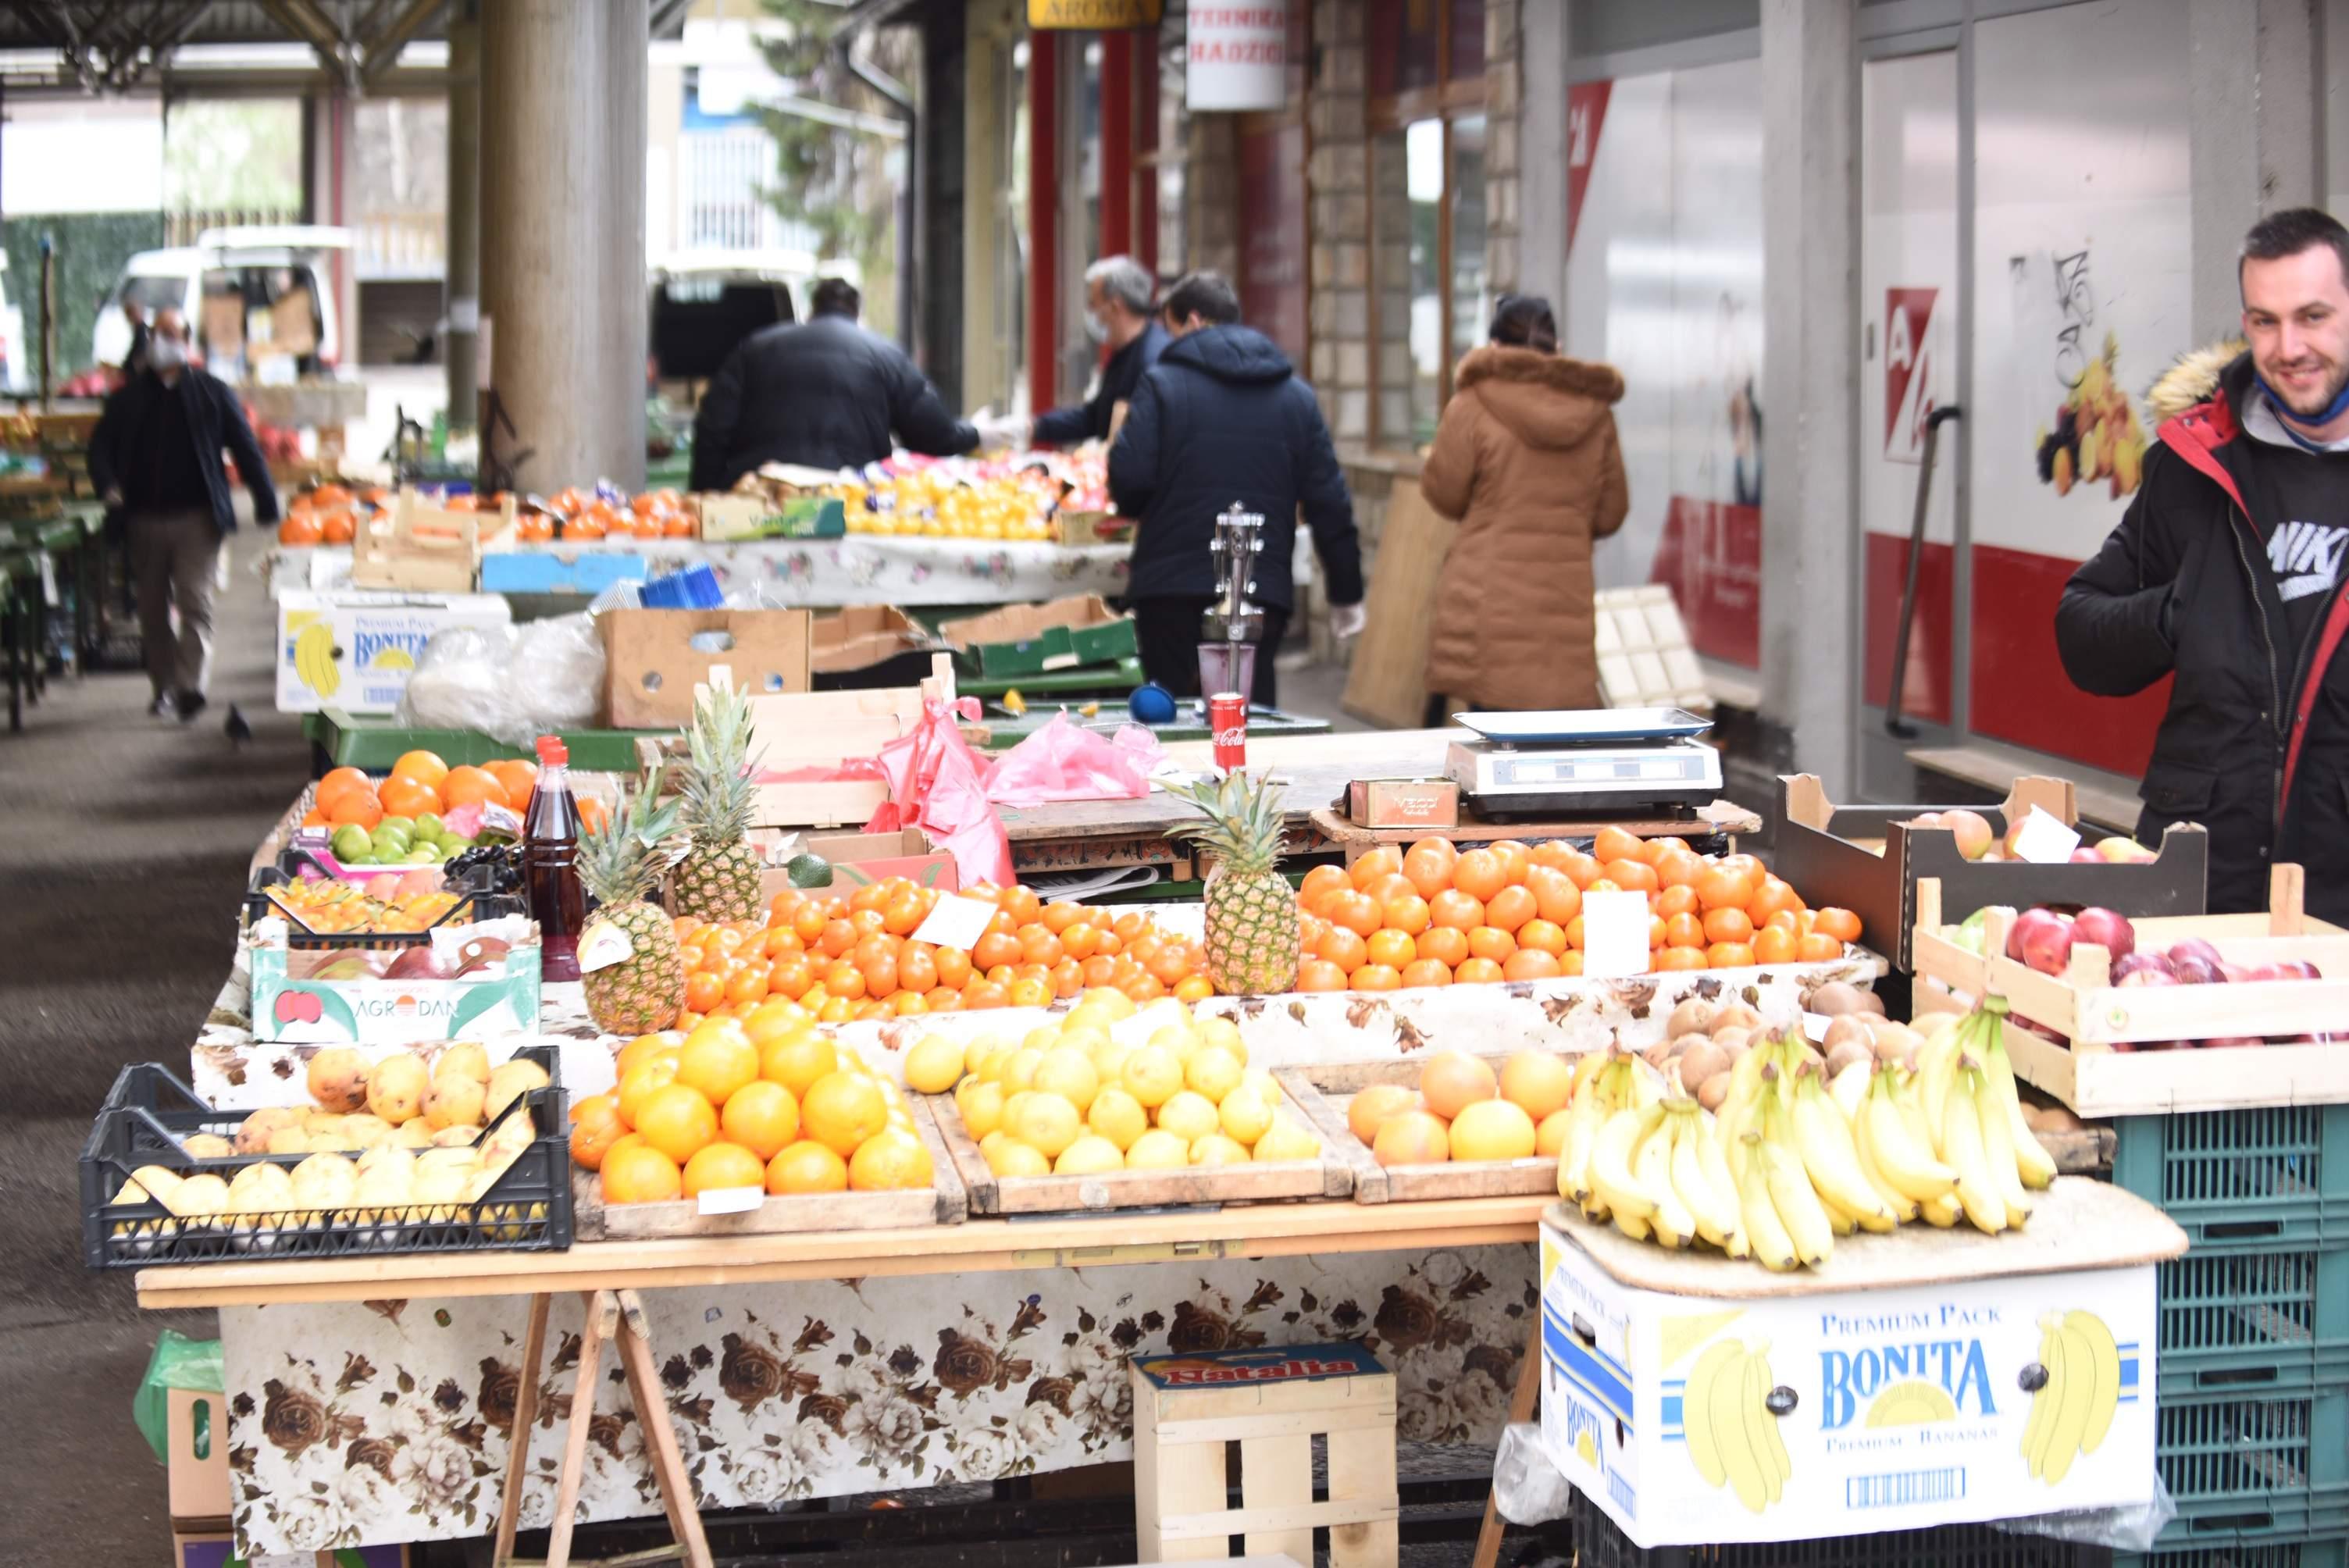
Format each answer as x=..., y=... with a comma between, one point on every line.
x=809, y=871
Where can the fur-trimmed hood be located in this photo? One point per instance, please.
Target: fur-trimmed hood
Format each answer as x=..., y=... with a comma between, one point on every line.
x=1544, y=400
x=2193, y=377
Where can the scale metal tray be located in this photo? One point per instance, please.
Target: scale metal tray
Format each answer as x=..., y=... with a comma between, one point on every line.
x=1584, y=726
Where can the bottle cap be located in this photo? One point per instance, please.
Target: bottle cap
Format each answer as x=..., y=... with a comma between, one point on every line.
x=551, y=752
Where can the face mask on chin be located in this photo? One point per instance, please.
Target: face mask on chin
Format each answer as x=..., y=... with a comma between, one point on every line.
x=1096, y=329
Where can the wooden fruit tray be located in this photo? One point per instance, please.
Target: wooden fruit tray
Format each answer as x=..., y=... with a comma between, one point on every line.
x=947, y=1202
x=2094, y=1016
x=1325, y=1092
x=1326, y=1177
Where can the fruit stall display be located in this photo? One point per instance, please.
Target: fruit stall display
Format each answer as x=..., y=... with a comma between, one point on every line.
x=1001, y=498
x=425, y=811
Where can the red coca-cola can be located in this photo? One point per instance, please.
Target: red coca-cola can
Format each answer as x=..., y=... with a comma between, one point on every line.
x=1227, y=718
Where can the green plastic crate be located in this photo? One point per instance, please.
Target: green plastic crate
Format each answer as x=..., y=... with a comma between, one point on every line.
x=2254, y=1320
x=2253, y=1468
x=2320, y=1552
x=2277, y=1176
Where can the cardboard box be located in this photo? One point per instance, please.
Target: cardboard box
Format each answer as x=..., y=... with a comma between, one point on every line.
x=1867, y=859
x=870, y=645
x=1429, y=803
x=353, y=650
x=195, y=1424
x=1903, y=1405
x=586, y=572
x=860, y=860
x=1035, y=639
x=499, y=999
x=738, y=517
x=656, y=657
x=419, y=547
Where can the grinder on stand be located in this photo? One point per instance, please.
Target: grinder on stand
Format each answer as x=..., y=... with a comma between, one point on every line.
x=1230, y=633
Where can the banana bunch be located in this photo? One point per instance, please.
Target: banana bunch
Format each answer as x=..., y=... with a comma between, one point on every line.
x=2072, y=1408
x=1733, y=1433
x=1965, y=1087
x=1644, y=1156
x=314, y=658
x=1604, y=1082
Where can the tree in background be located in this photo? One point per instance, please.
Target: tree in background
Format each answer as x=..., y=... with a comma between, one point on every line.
x=227, y=155
x=840, y=181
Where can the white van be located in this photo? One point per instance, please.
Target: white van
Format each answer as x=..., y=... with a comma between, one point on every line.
x=248, y=295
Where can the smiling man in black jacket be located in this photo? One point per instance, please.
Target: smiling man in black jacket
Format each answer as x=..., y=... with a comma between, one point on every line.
x=1223, y=419
x=2227, y=573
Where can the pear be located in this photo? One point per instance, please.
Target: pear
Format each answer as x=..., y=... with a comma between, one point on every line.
x=510, y=1083
x=253, y=1138
x=395, y=1087
x=466, y=1059
x=338, y=1078
x=455, y=1100
x=261, y=1188
x=207, y=1146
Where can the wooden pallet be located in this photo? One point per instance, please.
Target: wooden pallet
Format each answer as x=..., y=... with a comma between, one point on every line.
x=1326, y=1177
x=1326, y=1091
x=948, y=1203
x=2083, y=1069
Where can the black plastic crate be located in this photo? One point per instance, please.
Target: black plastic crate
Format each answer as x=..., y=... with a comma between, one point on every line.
x=2252, y=1468
x=2251, y=1320
x=478, y=904
x=2274, y=1176
x=150, y=1109
x=2318, y=1551
x=1600, y=1542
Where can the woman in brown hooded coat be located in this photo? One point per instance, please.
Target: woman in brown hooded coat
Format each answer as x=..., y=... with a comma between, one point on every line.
x=1526, y=461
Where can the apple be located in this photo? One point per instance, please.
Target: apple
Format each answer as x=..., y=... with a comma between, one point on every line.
x=2043, y=940
x=1972, y=830
x=2105, y=929
x=2124, y=852
x=2085, y=856
x=2231, y=1042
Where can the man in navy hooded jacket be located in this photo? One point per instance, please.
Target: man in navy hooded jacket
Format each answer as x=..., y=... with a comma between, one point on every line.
x=1223, y=420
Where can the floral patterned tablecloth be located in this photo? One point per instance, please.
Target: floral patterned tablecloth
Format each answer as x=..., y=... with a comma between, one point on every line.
x=858, y=569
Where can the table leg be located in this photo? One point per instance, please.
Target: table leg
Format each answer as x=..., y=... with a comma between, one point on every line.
x=660, y=1433
x=533, y=1346
x=1522, y=1400
x=602, y=1322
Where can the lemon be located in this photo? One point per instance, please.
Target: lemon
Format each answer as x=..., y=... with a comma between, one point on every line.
x=1175, y=1040
x=1189, y=1116
x=1115, y=1004
x=1244, y=1115
x=1217, y=1150
x=982, y=1110
x=1109, y=1057
x=1261, y=1081
x=1020, y=1068
x=1089, y=1155
x=1494, y=1129
x=1045, y=1122
x=1043, y=1038
x=1284, y=1139
x=1118, y=1117
x=1069, y=1074
x=1153, y=1076
x=1158, y=1149
x=1081, y=1037
x=1013, y=1158
x=933, y=1066
x=1223, y=1033
x=1213, y=1071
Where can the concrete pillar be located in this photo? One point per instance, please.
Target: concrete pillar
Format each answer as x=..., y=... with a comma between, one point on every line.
x=558, y=229
x=463, y=266
x=1541, y=153
x=1810, y=582
x=2256, y=136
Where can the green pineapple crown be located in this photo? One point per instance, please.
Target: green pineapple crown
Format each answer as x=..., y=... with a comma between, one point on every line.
x=717, y=793
x=1242, y=827
x=626, y=860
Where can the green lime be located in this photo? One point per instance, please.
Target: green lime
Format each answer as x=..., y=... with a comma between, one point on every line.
x=398, y=824
x=422, y=855
x=440, y=853
x=430, y=825
x=352, y=841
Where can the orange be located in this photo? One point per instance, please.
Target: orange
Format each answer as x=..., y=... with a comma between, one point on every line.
x=1769, y=898
x=841, y=1110
x=299, y=528
x=337, y=779
x=1677, y=867
x=1515, y=859
x=1479, y=874
x=1434, y=843
x=677, y=1121
x=1530, y=964
x=1839, y=924
x=404, y=797
x=1722, y=888
x=1556, y=897
x=1393, y=948
x=1614, y=844
x=1357, y=912
x=316, y=819
x=1727, y=926
x=1774, y=945
x=1320, y=974
x=1491, y=941
x=797, y=1061
x=705, y=990
x=1190, y=990
x=1430, y=870
x=892, y=1160
x=1655, y=932
x=1475, y=971
x=469, y=785
x=1546, y=935
x=1673, y=958
x=1581, y=870
x=1321, y=881
x=594, y=1132
x=1677, y=898
x=594, y=815
x=516, y=777
x=807, y=1167
x=425, y=767
x=1511, y=908
x=1022, y=905
x=717, y=1059
x=640, y=1175
x=1729, y=955
x=1442, y=944
x=1631, y=876
x=1684, y=931
x=1345, y=950
x=1457, y=910
x=1387, y=890
x=1817, y=947
x=1377, y=977
x=1426, y=972
x=1033, y=992
x=718, y=1165
x=355, y=810
x=1382, y=862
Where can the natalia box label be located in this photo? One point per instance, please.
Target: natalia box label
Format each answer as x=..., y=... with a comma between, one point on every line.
x=355, y=651
x=1696, y=1419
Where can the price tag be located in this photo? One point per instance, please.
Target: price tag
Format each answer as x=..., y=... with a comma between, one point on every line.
x=1815, y=1026
x=956, y=921
x=730, y=1200
x=604, y=946
x=1614, y=934
x=2044, y=841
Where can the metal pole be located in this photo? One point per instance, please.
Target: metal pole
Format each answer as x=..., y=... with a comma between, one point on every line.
x=463, y=263
x=1893, y=726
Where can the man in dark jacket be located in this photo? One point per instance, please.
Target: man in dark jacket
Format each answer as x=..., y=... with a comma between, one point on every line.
x=826, y=394
x=156, y=454
x=1223, y=419
x=1121, y=311
x=2226, y=573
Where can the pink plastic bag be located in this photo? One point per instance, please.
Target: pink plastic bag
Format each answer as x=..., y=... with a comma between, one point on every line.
x=1066, y=762
x=937, y=783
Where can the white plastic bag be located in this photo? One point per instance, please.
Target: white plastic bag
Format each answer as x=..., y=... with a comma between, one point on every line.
x=514, y=683
x=1526, y=1488
x=558, y=675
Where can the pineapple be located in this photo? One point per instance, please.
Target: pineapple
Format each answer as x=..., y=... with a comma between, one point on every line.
x=719, y=879
x=1252, y=935
x=620, y=867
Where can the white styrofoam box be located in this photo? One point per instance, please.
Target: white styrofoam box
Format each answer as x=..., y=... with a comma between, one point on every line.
x=1907, y=1406
x=369, y=645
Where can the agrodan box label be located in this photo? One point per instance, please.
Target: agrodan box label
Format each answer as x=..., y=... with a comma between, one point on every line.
x=1696, y=1420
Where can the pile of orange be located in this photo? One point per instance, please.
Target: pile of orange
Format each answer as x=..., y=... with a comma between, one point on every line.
x=764, y=1101
x=582, y=514
x=419, y=782
x=330, y=514
x=849, y=958
x=1436, y=915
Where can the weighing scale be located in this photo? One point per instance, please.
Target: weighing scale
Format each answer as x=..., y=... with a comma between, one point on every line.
x=1593, y=763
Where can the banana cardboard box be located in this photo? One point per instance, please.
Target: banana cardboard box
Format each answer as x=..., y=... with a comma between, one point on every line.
x=1702, y=1420
x=354, y=650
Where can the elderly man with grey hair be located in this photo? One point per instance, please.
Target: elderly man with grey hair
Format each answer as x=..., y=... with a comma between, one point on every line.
x=1120, y=311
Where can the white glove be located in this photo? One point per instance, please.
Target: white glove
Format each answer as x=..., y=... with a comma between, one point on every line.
x=1006, y=430
x=1348, y=620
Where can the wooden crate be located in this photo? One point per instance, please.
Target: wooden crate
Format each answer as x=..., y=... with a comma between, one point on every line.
x=1326, y=1091
x=420, y=547
x=1326, y=1177
x=1272, y=1403
x=2085, y=1072
x=823, y=729
x=948, y=1203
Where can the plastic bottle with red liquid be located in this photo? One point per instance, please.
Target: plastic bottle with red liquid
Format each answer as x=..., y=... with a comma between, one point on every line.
x=549, y=870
